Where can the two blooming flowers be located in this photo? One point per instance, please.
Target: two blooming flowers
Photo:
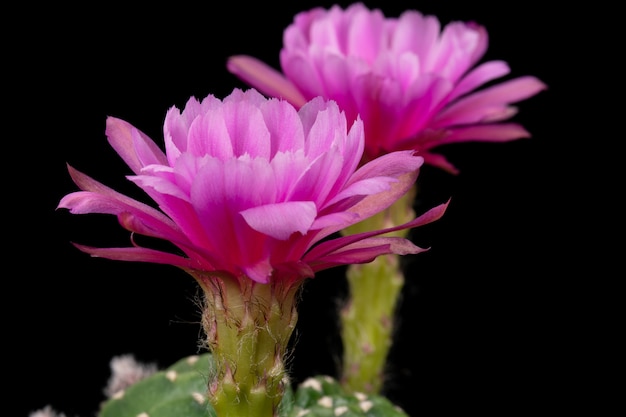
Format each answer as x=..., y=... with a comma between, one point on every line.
x=248, y=184
x=255, y=188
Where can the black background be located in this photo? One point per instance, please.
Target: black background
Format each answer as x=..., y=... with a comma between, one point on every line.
x=488, y=315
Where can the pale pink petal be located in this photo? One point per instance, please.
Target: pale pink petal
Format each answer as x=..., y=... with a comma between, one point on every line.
x=208, y=135
x=84, y=202
x=480, y=48
x=458, y=46
x=418, y=33
x=284, y=127
x=300, y=71
x=486, y=133
x=322, y=121
x=338, y=74
x=392, y=164
x=280, y=220
x=160, y=186
x=364, y=187
x=263, y=77
x=79, y=202
x=374, y=203
x=135, y=147
x=364, y=33
x=338, y=220
x=246, y=127
x=474, y=107
x=320, y=179
x=480, y=75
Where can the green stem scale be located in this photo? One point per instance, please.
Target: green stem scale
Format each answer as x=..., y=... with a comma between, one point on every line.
x=367, y=317
x=248, y=326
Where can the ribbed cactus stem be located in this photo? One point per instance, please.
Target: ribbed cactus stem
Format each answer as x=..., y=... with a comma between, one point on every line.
x=248, y=326
x=367, y=317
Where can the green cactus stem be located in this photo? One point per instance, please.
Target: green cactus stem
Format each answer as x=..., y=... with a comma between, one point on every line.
x=248, y=326
x=367, y=317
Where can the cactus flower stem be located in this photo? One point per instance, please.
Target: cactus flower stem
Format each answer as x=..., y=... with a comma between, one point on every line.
x=367, y=316
x=248, y=326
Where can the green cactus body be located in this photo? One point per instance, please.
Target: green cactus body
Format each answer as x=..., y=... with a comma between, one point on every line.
x=323, y=396
x=181, y=391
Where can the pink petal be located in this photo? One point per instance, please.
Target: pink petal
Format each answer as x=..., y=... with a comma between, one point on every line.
x=460, y=46
x=439, y=161
x=337, y=220
x=366, y=187
x=483, y=42
x=246, y=127
x=159, y=187
x=260, y=271
x=486, y=133
x=330, y=246
x=264, y=78
x=134, y=146
x=208, y=135
x=356, y=256
x=299, y=70
x=138, y=254
x=393, y=164
x=115, y=202
x=281, y=220
x=320, y=179
x=476, y=106
x=478, y=76
x=284, y=126
x=366, y=250
x=417, y=33
x=375, y=203
x=85, y=202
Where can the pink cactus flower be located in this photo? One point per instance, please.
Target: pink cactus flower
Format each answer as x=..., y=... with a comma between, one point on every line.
x=415, y=85
x=250, y=187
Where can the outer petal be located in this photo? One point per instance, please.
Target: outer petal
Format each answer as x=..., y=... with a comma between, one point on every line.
x=374, y=203
x=134, y=146
x=478, y=76
x=329, y=247
x=264, y=78
x=477, y=106
x=440, y=162
x=486, y=133
x=137, y=254
x=99, y=198
x=393, y=164
x=366, y=250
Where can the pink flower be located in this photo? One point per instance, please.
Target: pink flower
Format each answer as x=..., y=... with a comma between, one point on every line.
x=414, y=84
x=250, y=187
